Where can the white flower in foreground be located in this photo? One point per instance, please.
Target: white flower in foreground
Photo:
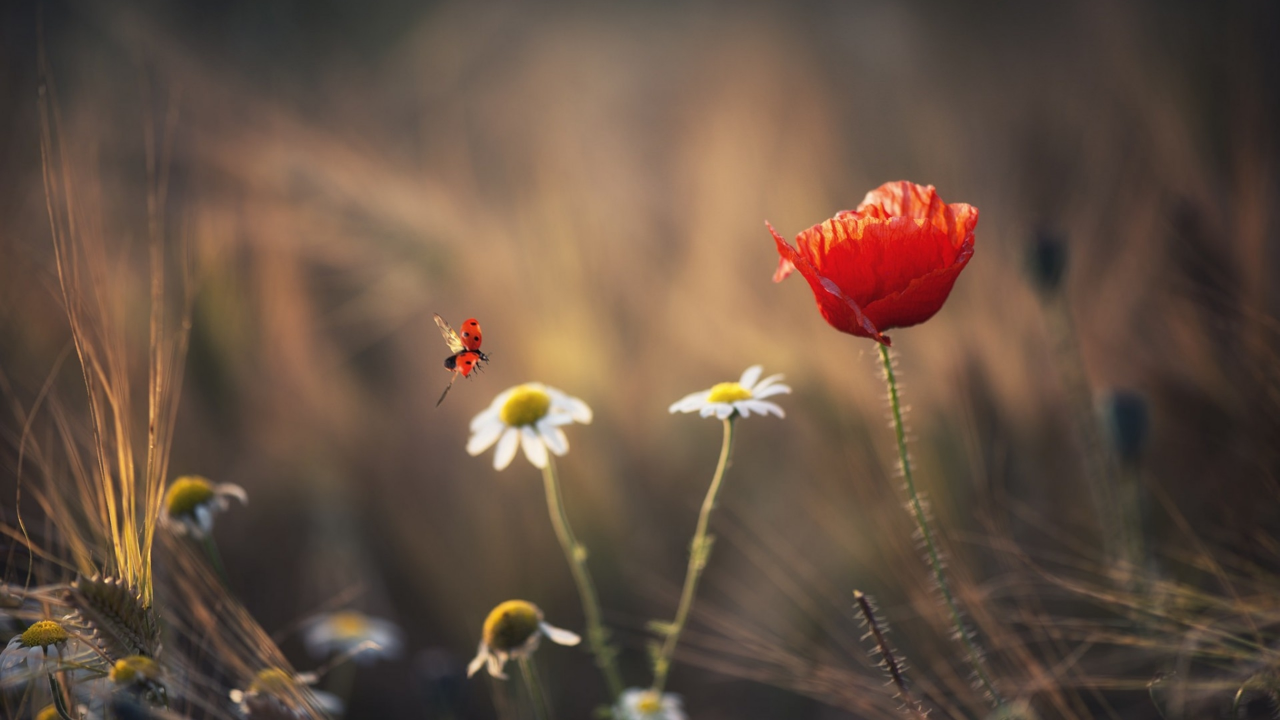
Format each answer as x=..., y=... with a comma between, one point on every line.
x=531, y=416
x=512, y=631
x=743, y=397
x=191, y=503
x=645, y=704
x=38, y=650
x=352, y=632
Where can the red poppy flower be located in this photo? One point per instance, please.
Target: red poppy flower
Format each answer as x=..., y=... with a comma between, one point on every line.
x=889, y=264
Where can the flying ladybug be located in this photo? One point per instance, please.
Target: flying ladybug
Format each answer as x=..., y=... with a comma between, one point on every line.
x=466, y=350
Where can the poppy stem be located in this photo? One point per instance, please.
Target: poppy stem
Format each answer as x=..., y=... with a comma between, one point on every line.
x=597, y=634
x=699, y=552
x=973, y=653
x=541, y=710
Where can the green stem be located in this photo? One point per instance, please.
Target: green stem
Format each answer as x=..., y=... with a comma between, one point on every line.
x=59, y=703
x=576, y=554
x=541, y=710
x=215, y=558
x=974, y=656
x=699, y=551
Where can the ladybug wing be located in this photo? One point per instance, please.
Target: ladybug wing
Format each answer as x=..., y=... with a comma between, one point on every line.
x=450, y=337
x=471, y=336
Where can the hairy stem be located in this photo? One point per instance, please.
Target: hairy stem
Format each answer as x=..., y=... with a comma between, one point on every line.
x=699, y=551
x=576, y=554
x=972, y=654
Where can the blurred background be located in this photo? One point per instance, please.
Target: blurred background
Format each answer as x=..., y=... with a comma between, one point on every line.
x=591, y=182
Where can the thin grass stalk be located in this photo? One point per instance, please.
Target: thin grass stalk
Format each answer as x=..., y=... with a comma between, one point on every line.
x=541, y=710
x=699, y=551
x=887, y=656
x=972, y=654
x=576, y=554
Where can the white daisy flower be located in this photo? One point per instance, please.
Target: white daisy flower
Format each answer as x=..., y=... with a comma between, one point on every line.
x=531, y=416
x=275, y=693
x=40, y=649
x=352, y=632
x=743, y=397
x=191, y=503
x=513, y=631
x=645, y=704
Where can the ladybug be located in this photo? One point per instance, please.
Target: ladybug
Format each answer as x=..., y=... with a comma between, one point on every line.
x=466, y=356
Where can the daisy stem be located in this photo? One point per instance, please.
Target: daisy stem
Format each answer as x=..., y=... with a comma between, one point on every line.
x=699, y=551
x=215, y=558
x=59, y=702
x=541, y=710
x=974, y=655
x=576, y=554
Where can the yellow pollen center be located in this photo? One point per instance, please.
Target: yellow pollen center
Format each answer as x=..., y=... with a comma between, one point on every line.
x=187, y=493
x=526, y=406
x=649, y=704
x=49, y=713
x=44, y=634
x=348, y=624
x=728, y=392
x=511, y=624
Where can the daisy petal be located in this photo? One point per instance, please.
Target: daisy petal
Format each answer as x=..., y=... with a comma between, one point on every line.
x=554, y=438
x=577, y=409
x=765, y=383
x=709, y=410
x=491, y=414
x=750, y=375
x=764, y=408
x=743, y=407
x=484, y=438
x=723, y=411
x=506, y=449
x=533, y=447
x=771, y=391
x=560, y=636
x=689, y=402
x=478, y=661
x=495, y=668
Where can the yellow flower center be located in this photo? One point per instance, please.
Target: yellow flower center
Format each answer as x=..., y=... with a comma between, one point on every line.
x=187, y=493
x=348, y=624
x=651, y=703
x=133, y=669
x=272, y=681
x=44, y=634
x=48, y=713
x=511, y=624
x=728, y=392
x=526, y=406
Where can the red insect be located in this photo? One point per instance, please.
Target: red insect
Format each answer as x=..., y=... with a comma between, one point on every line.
x=466, y=355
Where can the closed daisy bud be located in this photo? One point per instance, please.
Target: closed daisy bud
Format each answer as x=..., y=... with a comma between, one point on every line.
x=191, y=503
x=1047, y=261
x=513, y=631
